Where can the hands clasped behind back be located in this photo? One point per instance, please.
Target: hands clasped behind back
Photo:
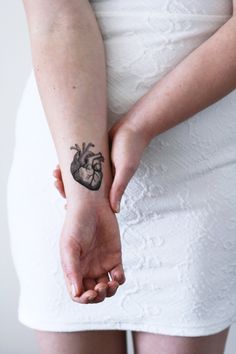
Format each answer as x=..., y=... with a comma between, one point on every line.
x=90, y=245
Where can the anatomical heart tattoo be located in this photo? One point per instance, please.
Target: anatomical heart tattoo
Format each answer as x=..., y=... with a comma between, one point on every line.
x=86, y=167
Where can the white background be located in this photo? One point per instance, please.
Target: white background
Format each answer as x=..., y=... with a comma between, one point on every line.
x=15, y=66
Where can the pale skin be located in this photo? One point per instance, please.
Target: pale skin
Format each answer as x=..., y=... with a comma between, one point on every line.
x=69, y=65
x=53, y=35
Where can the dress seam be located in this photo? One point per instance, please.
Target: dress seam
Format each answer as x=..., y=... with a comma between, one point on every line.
x=160, y=14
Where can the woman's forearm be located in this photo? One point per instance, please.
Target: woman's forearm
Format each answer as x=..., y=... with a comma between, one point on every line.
x=69, y=65
x=202, y=78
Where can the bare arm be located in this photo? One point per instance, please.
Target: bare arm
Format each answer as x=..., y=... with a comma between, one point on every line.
x=69, y=64
x=206, y=75
x=203, y=77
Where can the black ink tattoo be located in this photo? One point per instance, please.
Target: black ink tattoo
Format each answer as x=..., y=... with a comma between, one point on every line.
x=86, y=167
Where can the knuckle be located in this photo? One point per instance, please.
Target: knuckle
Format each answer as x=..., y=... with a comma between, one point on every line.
x=111, y=292
x=122, y=279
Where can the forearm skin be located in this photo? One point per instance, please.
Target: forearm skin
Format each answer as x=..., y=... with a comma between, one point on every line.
x=69, y=64
x=206, y=75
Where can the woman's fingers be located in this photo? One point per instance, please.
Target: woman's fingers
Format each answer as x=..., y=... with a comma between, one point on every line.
x=90, y=293
x=121, y=179
x=89, y=284
x=87, y=297
x=57, y=172
x=92, y=296
x=59, y=185
x=118, y=275
x=101, y=289
x=81, y=290
x=103, y=286
x=112, y=288
x=59, y=182
x=70, y=260
x=102, y=279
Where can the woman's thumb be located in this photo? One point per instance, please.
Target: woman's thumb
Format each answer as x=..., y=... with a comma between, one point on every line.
x=122, y=176
x=70, y=259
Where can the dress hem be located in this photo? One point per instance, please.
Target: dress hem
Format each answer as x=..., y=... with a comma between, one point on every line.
x=191, y=331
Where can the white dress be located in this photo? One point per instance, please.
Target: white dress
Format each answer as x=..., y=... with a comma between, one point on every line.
x=178, y=213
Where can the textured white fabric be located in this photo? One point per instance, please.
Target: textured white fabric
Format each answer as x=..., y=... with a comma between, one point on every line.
x=178, y=214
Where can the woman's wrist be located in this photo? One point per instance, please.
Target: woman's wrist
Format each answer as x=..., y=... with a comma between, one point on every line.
x=79, y=194
x=86, y=172
x=136, y=124
x=75, y=205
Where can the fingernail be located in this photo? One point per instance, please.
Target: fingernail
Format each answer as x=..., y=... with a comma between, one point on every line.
x=74, y=289
x=118, y=207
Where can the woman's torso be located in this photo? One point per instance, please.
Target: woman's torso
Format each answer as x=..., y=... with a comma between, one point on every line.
x=145, y=39
x=142, y=45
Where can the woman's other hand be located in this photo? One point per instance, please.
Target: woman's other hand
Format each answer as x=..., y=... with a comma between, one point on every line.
x=90, y=250
x=127, y=144
x=58, y=183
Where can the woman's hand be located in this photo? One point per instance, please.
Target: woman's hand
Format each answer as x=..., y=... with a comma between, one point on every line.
x=127, y=144
x=90, y=250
